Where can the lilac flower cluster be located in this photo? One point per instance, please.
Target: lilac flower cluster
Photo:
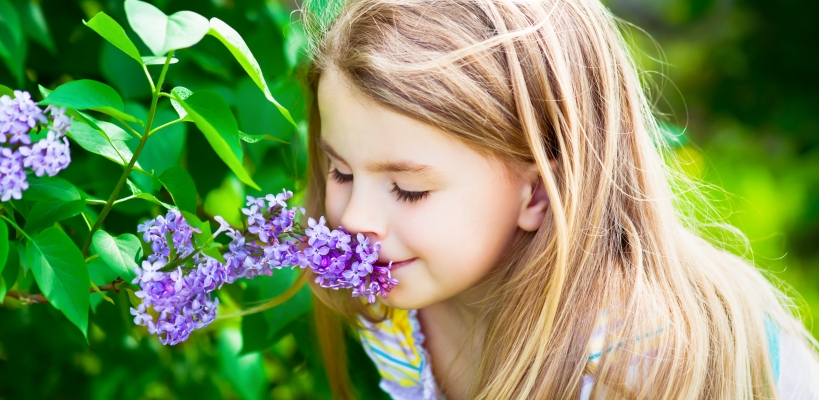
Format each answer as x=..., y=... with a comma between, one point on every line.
x=331, y=256
x=178, y=278
x=18, y=116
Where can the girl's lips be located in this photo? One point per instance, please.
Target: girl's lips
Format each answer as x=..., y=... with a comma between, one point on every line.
x=396, y=265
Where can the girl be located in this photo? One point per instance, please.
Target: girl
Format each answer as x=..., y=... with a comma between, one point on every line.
x=505, y=157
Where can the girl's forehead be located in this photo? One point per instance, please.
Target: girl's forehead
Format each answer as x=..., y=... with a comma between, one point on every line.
x=356, y=129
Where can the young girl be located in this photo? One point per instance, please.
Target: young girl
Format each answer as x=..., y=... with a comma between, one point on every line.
x=506, y=158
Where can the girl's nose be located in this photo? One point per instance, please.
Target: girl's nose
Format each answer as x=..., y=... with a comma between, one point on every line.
x=364, y=214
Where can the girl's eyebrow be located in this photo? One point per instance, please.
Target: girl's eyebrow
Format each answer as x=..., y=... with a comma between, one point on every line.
x=329, y=150
x=401, y=166
x=398, y=166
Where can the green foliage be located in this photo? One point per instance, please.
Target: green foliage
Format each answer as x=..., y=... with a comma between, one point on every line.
x=139, y=148
x=111, y=31
x=163, y=33
x=13, y=46
x=744, y=119
x=52, y=188
x=45, y=213
x=181, y=187
x=237, y=46
x=747, y=116
x=86, y=94
x=57, y=265
x=121, y=254
x=213, y=117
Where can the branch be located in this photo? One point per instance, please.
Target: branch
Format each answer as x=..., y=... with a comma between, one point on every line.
x=124, y=177
x=40, y=299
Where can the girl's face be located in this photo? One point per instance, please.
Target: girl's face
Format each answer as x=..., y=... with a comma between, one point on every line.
x=444, y=213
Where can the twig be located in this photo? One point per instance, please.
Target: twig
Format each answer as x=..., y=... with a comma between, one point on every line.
x=40, y=299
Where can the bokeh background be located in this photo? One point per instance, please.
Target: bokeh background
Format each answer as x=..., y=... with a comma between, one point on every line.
x=733, y=79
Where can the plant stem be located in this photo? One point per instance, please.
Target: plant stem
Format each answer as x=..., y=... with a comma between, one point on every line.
x=161, y=127
x=39, y=298
x=14, y=224
x=125, y=199
x=94, y=288
x=128, y=127
x=150, y=80
x=85, y=218
x=130, y=166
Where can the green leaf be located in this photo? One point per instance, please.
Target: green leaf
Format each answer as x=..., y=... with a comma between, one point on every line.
x=162, y=33
x=52, y=187
x=123, y=74
x=213, y=117
x=138, y=193
x=86, y=94
x=237, y=46
x=181, y=187
x=61, y=274
x=226, y=200
x=245, y=372
x=287, y=312
x=6, y=91
x=10, y=272
x=258, y=138
x=112, y=131
x=94, y=141
x=34, y=24
x=46, y=212
x=154, y=60
x=182, y=94
x=165, y=149
x=121, y=253
x=4, y=245
x=259, y=330
x=111, y=31
x=4, y=255
x=12, y=43
x=71, y=112
x=153, y=199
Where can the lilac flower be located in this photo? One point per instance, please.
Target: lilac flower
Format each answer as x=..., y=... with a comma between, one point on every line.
x=178, y=284
x=12, y=176
x=19, y=116
x=49, y=155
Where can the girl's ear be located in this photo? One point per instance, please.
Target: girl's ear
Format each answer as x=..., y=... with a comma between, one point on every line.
x=535, y=201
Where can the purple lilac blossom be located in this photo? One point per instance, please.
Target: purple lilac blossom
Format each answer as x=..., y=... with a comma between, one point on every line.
x=182, y=296
x=12, y=175
x=18, y=116
x=50, y=155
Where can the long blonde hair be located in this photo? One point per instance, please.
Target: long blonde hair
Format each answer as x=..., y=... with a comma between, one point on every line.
x=532, y=81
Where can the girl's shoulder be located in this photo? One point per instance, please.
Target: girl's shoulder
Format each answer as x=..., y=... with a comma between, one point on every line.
x=396, y=346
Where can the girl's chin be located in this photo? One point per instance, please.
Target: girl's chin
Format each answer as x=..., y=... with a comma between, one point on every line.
x=404, y=299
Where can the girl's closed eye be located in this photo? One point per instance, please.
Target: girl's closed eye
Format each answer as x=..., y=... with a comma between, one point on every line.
x=409, y=196
x=339, y=177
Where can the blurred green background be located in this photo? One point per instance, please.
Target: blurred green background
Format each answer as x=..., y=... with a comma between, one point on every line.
x=733, y=78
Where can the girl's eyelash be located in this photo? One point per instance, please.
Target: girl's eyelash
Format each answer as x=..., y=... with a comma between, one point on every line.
x=407, y=196
x=402, y=195
x=339, y=177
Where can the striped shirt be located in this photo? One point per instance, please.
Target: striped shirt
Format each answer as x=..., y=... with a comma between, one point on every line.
x=396, y=347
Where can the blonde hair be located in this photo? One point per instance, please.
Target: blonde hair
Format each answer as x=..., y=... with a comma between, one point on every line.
x=529, y=82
